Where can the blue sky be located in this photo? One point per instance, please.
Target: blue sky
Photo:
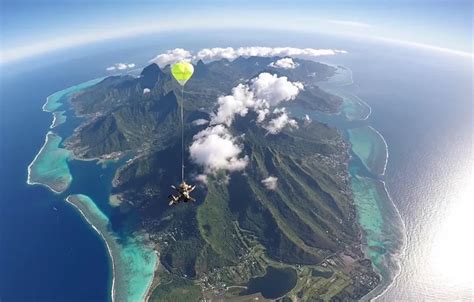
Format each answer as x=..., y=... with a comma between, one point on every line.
x=35, y=26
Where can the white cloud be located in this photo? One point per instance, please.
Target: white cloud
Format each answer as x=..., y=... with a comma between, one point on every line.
x=216, y=149
x=274, y=89
x=202, y=178
x=237, y=103
x=278, y=123
x=270, y=182
x=120, y=66
x=263, y=92
x=262, y=114
x=285, y=63
x=146, y=91
x=200, y=122
x=171, y=57
x=217, y=53
x=229, y=53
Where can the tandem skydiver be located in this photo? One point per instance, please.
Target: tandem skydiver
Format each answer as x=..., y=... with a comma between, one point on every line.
x=184, y=191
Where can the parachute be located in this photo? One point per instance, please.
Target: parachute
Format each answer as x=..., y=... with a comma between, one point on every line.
x=182, y=72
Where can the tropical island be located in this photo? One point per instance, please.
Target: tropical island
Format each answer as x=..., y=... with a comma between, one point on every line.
x=275, y=216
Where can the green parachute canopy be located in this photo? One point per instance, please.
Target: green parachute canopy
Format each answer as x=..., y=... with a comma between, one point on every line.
x=182, y=72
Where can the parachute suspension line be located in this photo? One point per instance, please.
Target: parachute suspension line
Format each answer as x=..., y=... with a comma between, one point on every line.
x=182, y=135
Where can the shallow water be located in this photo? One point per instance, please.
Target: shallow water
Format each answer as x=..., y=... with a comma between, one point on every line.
x=59, y=119
x=55, y=101
x=132, y=259
x=382, y=227
x=370, y=147
x=50, y=166
x=422, y=104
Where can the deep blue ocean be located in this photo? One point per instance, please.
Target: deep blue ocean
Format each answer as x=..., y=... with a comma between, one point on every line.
x=421, y=103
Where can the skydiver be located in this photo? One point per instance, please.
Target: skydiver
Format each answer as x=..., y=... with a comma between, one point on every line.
x=184, y=191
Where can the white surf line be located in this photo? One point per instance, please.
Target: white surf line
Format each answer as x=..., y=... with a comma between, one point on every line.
x=31, y=182
x=404, y=232
x=55, y=114
x=112, y=293
x=403, y=249
x=351, y=76
x=54, y=121
x=386, y=148
x=47, y=101
x=353, y=94
x=358, y=99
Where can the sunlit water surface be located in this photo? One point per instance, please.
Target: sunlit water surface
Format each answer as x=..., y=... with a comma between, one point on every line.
x=421, y=103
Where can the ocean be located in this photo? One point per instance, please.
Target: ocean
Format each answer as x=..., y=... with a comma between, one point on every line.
x=421, y=103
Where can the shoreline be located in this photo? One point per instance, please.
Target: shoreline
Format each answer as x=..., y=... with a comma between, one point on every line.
x=44, y=108
x=58, y=119
x=386, y=151
x=129, y=256
x=109, y=251
x=396, y=256
x=137, y=252
x=30, y=180
x=370, y=147
x=147, y=294
x=402, y=250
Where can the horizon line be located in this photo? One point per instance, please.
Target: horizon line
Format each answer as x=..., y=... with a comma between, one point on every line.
x=19, y=53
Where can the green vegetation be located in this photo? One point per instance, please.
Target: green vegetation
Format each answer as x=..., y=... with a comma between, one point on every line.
x=172, y=288
x=237, y=227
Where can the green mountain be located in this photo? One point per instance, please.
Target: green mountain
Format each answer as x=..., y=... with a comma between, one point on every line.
x=237, y=228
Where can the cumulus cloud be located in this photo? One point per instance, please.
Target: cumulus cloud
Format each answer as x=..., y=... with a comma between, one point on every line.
x=171, y=57
x=236, y=103
x=146, y=91
x=217, y=53
x=200, y=122
x=285, y=63
x=270, y=182
x=281, y=121
x=262, y=92
x=202, y=178
x=216, y=149
x=274, y=89
x=230, y=53
x=120, y=66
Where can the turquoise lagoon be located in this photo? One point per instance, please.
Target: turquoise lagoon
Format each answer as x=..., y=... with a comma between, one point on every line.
x=370, y=147
x=55, y=101
x=133, y=261
x=59, y=118
x=382, y=227
x=50, y=166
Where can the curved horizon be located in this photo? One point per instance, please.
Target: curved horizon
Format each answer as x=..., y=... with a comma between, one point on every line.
x=26, y=43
